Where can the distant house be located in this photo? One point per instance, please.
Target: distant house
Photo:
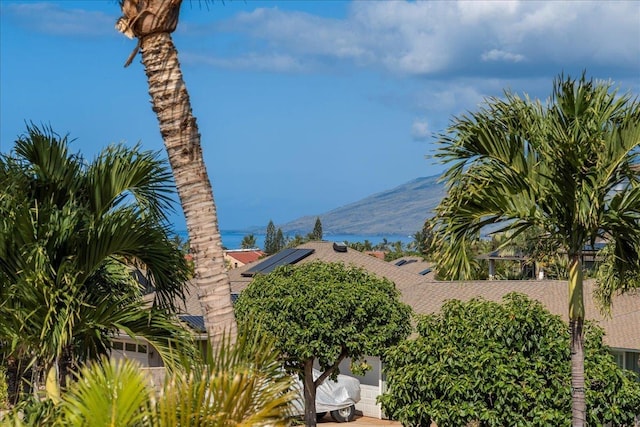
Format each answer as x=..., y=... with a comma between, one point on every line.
x=529, y=268
x=235, y=258
x=377, y=254
x=416, y=282
x=525, y=269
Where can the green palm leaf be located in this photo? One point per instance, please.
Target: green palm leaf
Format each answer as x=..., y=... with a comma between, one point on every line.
x=71, y=232
x=107, y=393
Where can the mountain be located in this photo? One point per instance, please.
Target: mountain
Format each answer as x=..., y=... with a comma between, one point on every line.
x=401, y=210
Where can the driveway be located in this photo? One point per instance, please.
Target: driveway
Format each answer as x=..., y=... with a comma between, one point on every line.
x=360, y=421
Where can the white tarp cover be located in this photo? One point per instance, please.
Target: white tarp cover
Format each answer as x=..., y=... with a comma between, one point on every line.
x=332, y=395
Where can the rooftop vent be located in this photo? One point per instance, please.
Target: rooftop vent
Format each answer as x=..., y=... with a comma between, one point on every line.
x=339, y=246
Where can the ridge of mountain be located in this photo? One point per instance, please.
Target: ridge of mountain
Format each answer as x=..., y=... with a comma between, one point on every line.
x=399, y=211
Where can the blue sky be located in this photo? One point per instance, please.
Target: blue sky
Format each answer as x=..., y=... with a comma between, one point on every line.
x=304, y=106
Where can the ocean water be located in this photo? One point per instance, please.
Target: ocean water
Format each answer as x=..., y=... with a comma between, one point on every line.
x=232, y=239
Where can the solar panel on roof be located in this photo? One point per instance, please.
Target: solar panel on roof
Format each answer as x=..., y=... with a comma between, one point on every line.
x=284, y=257
x=195, y=322
x=425, y=272
x=401, y=262
x=268, y=262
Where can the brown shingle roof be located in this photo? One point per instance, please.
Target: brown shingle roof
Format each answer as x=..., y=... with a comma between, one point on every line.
x=415, y=264
x=323, y=250
x=622, y=328
x=426, y=295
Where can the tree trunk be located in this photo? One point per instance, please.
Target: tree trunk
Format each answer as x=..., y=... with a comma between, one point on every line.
x=152, y=22
x=310, y=419
x=576, y=322
x=182, y=140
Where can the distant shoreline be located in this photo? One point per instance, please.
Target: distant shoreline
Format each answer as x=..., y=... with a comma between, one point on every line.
x=231, y=239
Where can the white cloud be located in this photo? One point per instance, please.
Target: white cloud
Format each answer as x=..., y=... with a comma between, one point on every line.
x=455, y=96
x=51, y=19
x=423, y=38
x=501, y=55
x=479, y=11
x=420, y=130
x=432, y=38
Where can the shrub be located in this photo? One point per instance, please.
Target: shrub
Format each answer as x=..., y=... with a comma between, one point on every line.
x=502, y=364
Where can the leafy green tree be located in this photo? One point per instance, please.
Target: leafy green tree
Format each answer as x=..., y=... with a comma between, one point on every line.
x=397, y=251
x=280, y=242
x=361, y=246
x=296, y=240
x=423, y=239
x=382, y=246
x=324, y=312
x=496, y=364
x=270, y=242
x=70, y=233
x=248, y=241
x=316, y=234
x=569, y=168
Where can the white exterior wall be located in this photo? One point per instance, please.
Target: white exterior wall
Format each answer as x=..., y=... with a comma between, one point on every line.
x=125, y=347
x=367, y=404
x=370, y=386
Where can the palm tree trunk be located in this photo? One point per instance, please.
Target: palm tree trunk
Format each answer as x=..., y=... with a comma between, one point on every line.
x=179, y=131
x=576, y=322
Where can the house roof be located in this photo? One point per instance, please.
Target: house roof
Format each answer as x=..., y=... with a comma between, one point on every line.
x=415, y=264
x=246, y=256
x=324, y=250
x=622, y=328
x=377, y=254
x=426, y=295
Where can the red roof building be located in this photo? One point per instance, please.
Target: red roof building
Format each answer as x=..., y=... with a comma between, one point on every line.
x=239, y=257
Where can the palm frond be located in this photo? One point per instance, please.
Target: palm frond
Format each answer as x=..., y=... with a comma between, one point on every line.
x=120, y=171
x=108, y=393
x=242, y=383
x=556, y=167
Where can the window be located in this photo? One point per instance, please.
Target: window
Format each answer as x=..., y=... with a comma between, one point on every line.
x=129, y=346
x=628, y=360
x=619, y=358
x=142, y=348
x=631, y=361
x=117, y=345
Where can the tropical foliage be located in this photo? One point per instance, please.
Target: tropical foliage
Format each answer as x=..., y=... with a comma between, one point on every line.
x=248, y=241
x=240, y=384
x=4, y=388
x=324, y=312
x=568, y=168
x=72, y=233
x=495, y=364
